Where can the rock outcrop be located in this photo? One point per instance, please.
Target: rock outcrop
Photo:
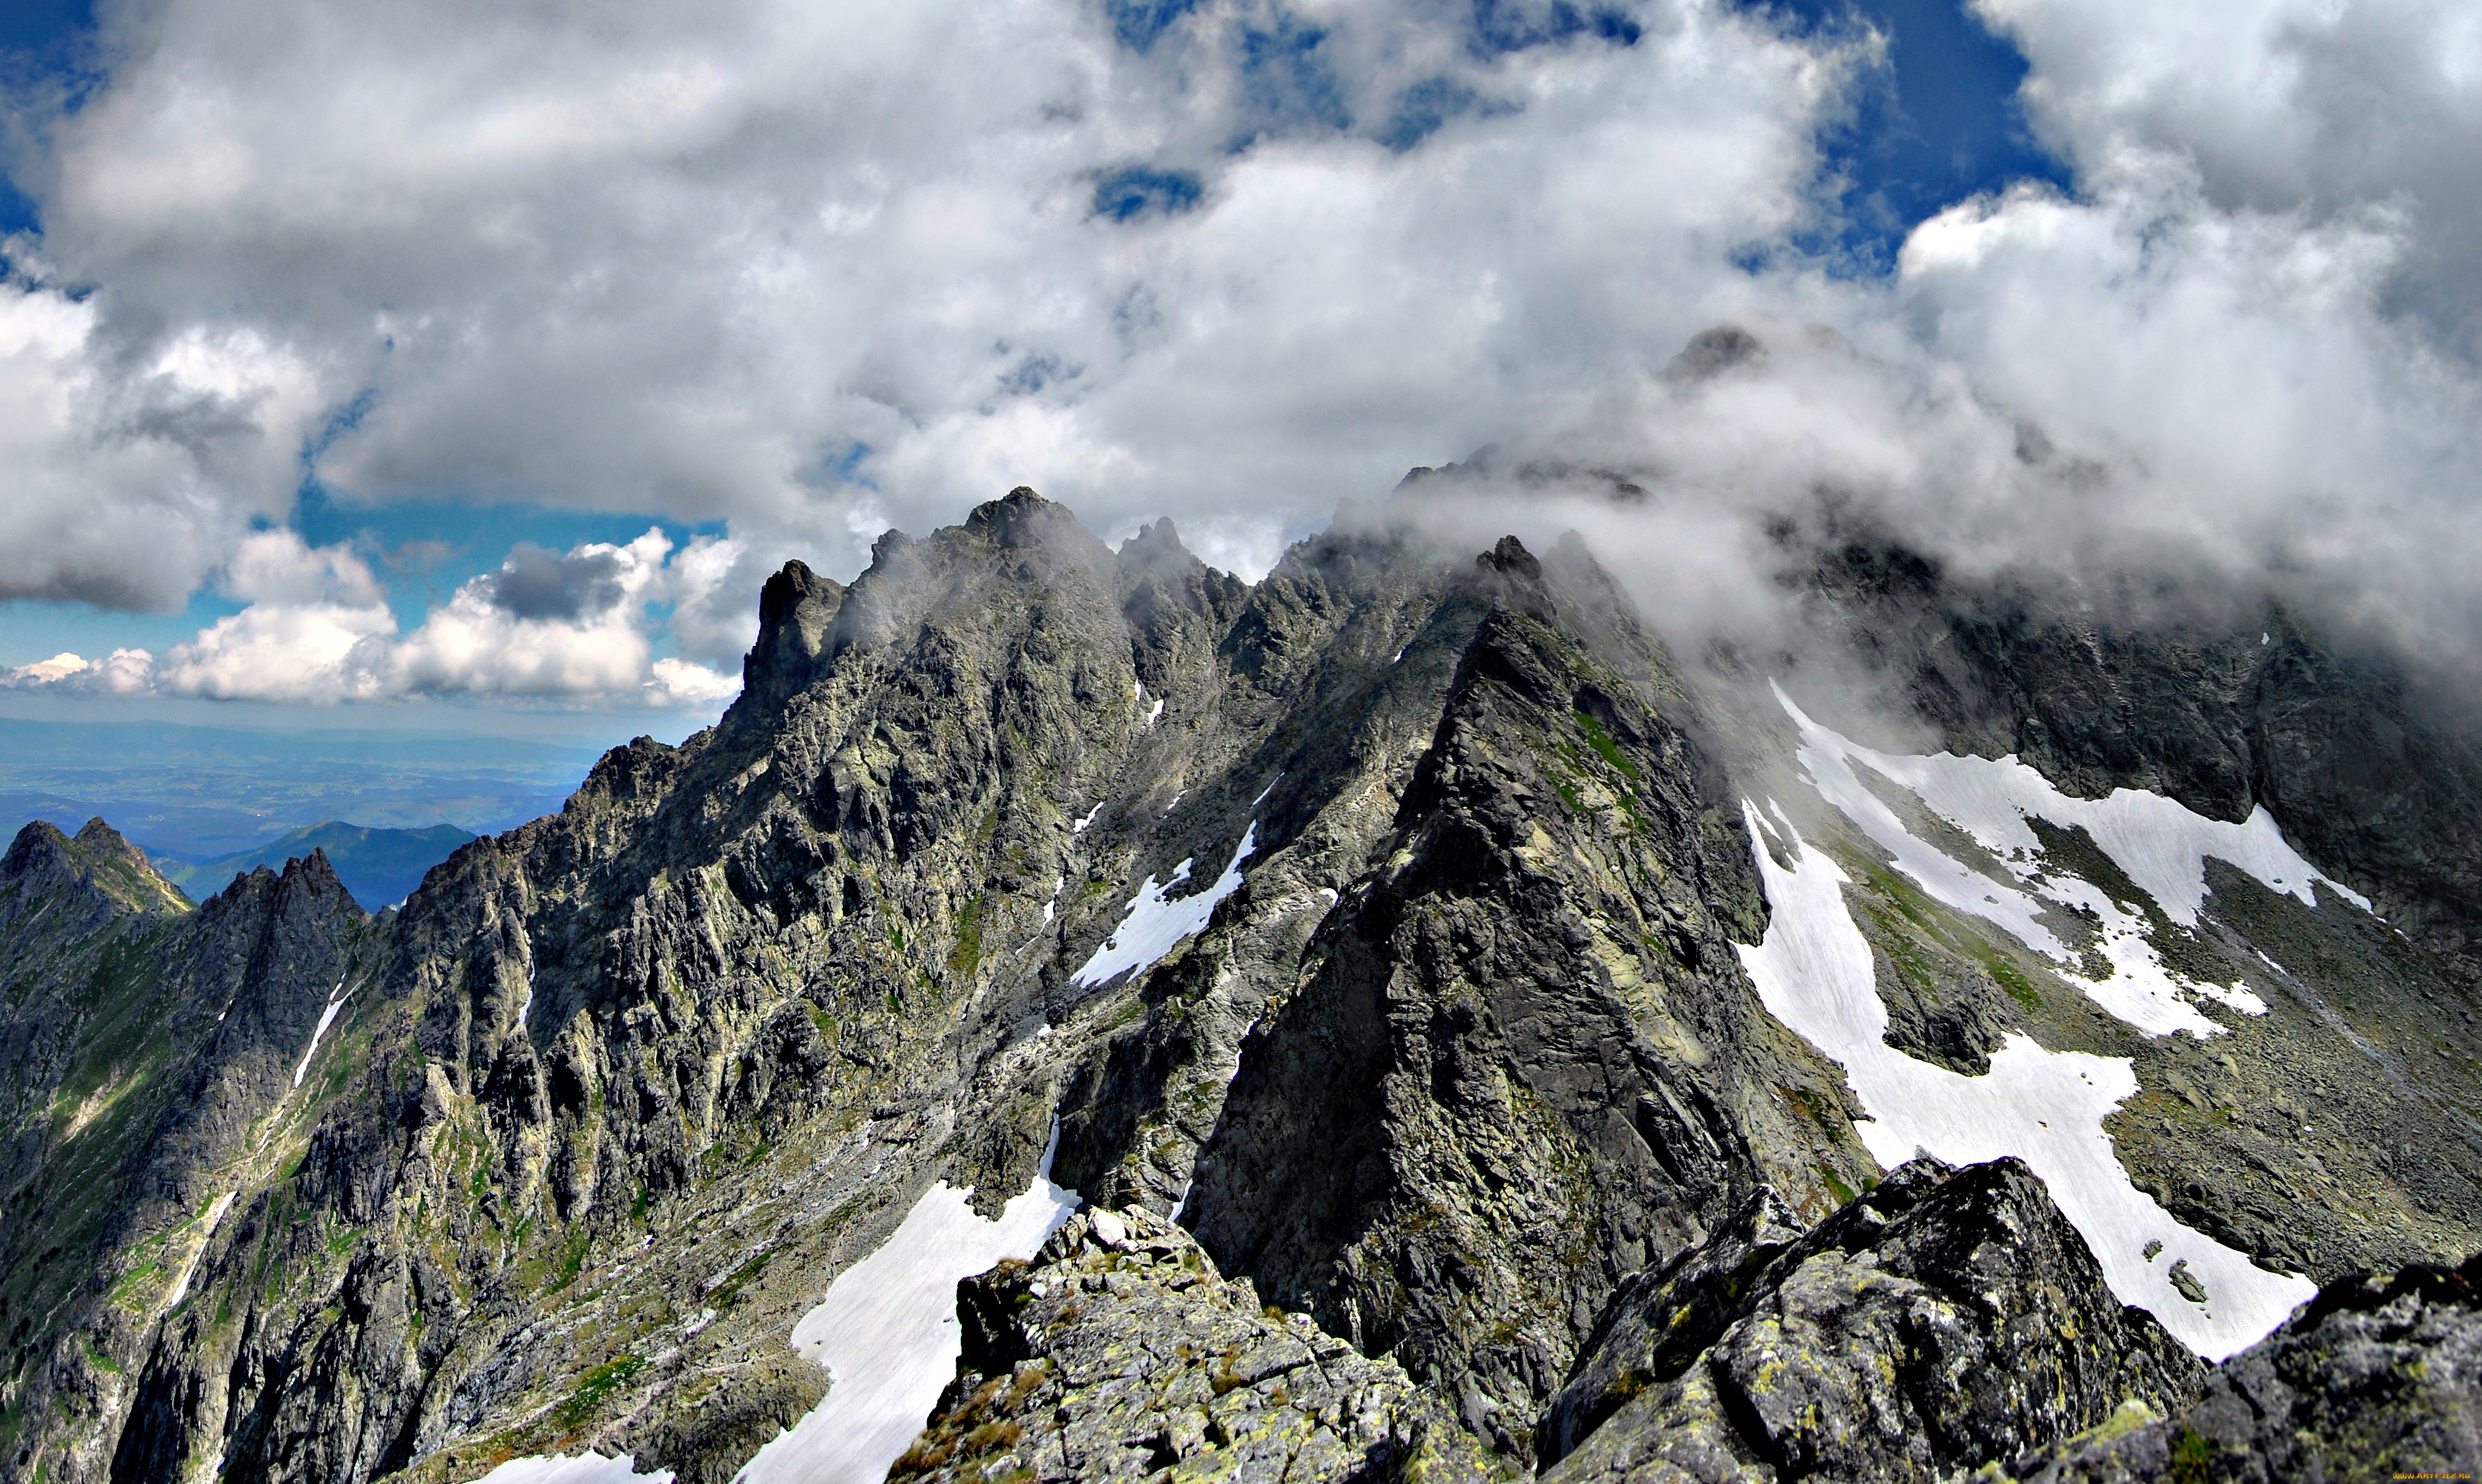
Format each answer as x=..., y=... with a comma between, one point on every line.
x=1120, y=1353
x=2377, y=1378
x=1943, y=1320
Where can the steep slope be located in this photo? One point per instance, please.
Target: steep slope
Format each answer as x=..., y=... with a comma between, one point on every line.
x=2200, y=870
x=1524, y=1061
x=154, y=1064
x=647, y=1075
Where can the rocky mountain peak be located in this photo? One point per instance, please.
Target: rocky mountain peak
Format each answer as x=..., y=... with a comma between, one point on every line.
x=97, y=862
x=795, y=608
x=1023, y=518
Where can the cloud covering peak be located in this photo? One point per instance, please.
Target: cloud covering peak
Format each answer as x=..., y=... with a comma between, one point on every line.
x=808, y=270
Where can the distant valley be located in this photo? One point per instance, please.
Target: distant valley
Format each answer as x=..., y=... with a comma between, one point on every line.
x=379, y=866
x=200, y=794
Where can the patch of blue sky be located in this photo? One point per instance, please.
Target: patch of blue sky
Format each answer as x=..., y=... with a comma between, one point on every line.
x=1422, y=108
x=32, y=628
x=43, y=51
x=1135, y=191
x=1938, y=124
x=1138, y=24
x=1503, y=26
x=1288, y=82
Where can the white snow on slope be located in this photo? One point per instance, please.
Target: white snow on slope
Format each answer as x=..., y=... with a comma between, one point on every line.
x=337, y=999
x=2158, y=843
x=189, y=1270
x=889, y=1334
x=1813, y=973
x=1157, y=924
x=1082, y=825
x=1156, y=715
x=1269, y=789
x=585, y=1469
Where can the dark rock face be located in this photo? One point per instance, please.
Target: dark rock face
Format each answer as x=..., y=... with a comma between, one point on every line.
x=1119, y=1353
x=1525, y=1061
x=2376, y=1378
x=2375, y=781
x=1945, y=1318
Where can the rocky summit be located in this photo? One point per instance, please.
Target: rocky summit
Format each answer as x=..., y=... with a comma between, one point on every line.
x=1081, y=1014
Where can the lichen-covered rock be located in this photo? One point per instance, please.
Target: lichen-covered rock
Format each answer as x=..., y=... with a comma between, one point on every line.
x=1943, y=1320
x=1119, y=1353
x=2376, y=1378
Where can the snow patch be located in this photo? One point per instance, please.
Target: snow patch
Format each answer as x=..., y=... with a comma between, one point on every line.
x=1175, y=800
x=887, y=1332
x=1156, y=715
x=214, y=1214
x=1814, y=972
x=585, y=1469
x=1400, y=658
x=2160, y=841
x=1269, y=789
x=337, y=999
x=1080, y=828
x=2160, y=844
x=1157, y=924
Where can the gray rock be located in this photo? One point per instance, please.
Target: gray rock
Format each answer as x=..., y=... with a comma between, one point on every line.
x=1945, y=1318
x=2376, y=1378
x=1119, y=1353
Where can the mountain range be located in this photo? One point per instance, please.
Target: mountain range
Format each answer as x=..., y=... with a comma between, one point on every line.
x=1083, y=1015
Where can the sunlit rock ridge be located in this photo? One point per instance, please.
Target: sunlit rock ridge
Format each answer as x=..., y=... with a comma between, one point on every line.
x=1392, y=1020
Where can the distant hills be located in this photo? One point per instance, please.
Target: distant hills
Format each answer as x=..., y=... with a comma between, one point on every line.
x=200, y=794
x=379, y=866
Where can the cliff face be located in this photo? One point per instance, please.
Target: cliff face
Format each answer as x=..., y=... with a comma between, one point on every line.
x=150, y=1060
x=1524, y=1060
x=1387, y=942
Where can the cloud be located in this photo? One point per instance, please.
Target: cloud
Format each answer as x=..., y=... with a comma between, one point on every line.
x=122, y=672
x=133, y=471
x=539, y=583
x=2282, y=106
x=317, y=652
x=803, y=268
x=561, y=627
x=278, y=566
x=814, y=270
